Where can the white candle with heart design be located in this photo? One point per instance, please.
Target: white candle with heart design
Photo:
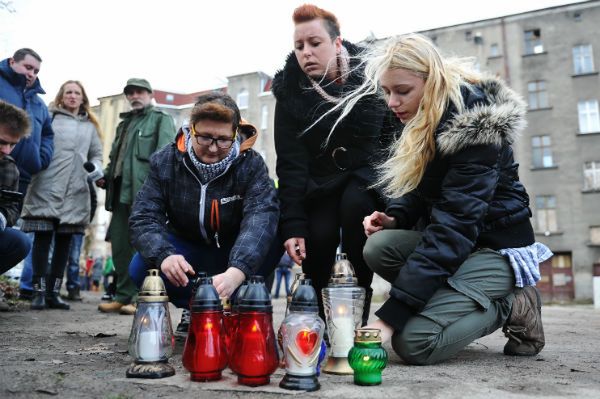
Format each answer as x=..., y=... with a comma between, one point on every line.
x=302, y=337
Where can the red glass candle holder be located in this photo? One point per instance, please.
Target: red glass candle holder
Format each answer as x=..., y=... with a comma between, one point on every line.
x=254, y=354
x=205, y=350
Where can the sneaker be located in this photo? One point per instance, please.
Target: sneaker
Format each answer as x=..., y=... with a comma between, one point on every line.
x=106, y=297
x=111, y=307
x=128, y=309
x=524, y=328
x=184, y=324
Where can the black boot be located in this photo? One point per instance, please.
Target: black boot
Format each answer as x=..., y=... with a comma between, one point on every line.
x=53, y=298
x=38, y=297
x=73, y=294
x=367, y=307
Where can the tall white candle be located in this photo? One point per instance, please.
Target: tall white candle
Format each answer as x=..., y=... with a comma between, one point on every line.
x=342, y=338
x=149, y=346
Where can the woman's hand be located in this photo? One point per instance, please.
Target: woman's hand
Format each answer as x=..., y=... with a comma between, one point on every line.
x=386, y=330
x=378, y=221
x=296, y=249
x=176, y=268
x=227, y=282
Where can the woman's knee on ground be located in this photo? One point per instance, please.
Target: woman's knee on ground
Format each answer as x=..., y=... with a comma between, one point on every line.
x=416, y=342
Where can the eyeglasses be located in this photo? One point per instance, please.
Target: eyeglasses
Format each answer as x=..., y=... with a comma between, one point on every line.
x=207, y=141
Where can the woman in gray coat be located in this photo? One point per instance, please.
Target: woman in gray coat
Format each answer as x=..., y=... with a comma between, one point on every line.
x=58, y=200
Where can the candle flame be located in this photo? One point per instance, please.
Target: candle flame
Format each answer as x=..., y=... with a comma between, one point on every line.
x=208, y=325
x=342, y=310
x=366, y=358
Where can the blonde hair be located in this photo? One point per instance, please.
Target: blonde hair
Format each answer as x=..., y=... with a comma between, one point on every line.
x=443, y=77
x=84, y=108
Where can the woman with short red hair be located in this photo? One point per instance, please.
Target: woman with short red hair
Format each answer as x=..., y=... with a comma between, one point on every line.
x=324, y=177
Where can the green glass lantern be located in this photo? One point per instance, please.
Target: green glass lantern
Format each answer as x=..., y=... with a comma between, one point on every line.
x=367, y=358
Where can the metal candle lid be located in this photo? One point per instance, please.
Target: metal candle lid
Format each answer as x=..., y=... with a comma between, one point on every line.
x=367, y=335
x=297, y=278
x=153, y=288
x=342, y=272
x=226, y=302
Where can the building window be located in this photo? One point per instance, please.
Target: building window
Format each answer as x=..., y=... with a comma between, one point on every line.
x=264, y=119
x=546, y=213
x=591, y=176
x=242, y=99
x=537, y=94
x=494, y=50
x=595, y=235
x=589, y=119
x=263, y=84
x=542, y=151
x=533, y=41
x=170, y=98
x=583, y=59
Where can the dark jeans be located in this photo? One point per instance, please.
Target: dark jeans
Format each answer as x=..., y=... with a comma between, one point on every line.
x=282, y=271
x=202, y=257
x=14, y=247
x=340, y=212
x=41, y=249
x=73, y=265
x=72, y=278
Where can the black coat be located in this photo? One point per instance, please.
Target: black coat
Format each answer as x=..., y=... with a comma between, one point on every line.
x=307, y=171
x=470, y=197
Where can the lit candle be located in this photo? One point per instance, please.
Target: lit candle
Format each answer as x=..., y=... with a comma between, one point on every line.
x=149, y=346
x=342, y=336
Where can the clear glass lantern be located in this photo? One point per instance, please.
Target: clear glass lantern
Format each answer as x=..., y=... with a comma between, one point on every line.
x=151, y=339
x=343, y=302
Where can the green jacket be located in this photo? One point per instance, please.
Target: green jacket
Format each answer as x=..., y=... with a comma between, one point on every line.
x=145, y=132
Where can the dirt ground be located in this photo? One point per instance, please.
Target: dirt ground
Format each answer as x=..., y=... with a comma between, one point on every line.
x=82, y=353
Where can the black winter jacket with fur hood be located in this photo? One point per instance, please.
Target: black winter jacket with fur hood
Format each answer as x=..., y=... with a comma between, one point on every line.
x=305, y=170
x=470, y=197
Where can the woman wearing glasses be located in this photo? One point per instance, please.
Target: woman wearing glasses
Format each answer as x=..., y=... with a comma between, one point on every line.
x=208, y=204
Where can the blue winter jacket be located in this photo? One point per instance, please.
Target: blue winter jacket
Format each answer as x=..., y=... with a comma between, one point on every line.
x=33, y=153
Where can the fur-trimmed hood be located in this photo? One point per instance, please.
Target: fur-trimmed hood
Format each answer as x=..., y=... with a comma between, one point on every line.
x=494, y=114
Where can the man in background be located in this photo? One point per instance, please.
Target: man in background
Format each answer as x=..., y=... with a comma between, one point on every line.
x=142, y=131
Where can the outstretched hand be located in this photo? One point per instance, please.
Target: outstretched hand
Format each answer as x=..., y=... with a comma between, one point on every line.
x=176, y=268
x=296, y=249
x=378, y=221
x=228, y=281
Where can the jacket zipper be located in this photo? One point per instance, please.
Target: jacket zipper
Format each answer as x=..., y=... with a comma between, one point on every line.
x=202, y=200
x=203, y=189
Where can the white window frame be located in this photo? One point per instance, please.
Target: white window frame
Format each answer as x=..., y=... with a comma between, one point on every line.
x=544, y=147
x=589, y=117
x=264, y=117
x=546, y=213
x=537, y=94
x=583, y=59
x=591, y=176
x=243, y=98
x=533, y=41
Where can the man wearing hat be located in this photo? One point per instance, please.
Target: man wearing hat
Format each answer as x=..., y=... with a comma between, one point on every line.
x=142, y=131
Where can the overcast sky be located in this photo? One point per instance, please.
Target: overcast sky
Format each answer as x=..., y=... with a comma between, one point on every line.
x=187, y=46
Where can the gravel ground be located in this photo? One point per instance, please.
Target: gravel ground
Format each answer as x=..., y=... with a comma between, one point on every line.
x=82, y=353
